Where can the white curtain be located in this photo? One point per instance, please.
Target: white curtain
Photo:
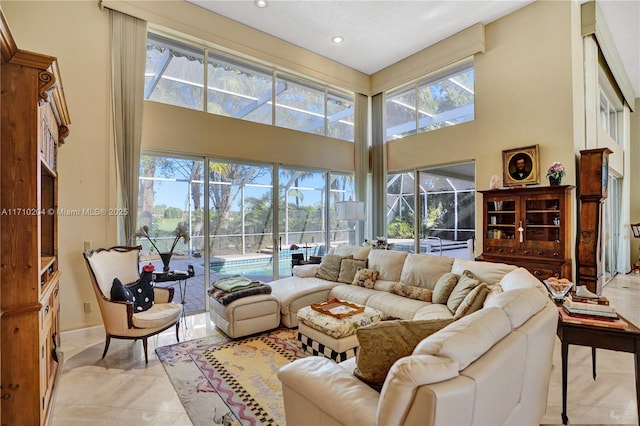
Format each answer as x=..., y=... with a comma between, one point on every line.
x=128, y=59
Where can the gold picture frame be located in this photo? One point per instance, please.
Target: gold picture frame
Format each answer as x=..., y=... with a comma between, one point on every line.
x=521, y=166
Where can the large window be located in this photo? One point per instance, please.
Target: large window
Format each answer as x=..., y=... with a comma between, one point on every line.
x=237, y=88
x=445, y=209
x=442, y=100
x=174, y=73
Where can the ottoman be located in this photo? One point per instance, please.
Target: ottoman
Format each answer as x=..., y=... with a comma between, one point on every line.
x=334, y=338
x=247, y=315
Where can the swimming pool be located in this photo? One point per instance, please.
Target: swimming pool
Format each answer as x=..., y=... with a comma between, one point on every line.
x=260, y=268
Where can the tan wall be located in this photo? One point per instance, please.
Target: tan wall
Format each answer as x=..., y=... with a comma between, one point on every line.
x=173, y=129
x=77, y=34
x=525, y=84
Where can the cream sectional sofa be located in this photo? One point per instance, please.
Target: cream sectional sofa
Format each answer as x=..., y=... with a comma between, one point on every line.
x=421, y=270
x=490, y=367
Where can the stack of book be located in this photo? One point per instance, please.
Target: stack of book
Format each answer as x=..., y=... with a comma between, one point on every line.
x=591, y=311
x=589, y=306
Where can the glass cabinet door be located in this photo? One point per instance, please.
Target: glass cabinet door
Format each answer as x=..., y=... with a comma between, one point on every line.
x=542, y=219
x=501, y=219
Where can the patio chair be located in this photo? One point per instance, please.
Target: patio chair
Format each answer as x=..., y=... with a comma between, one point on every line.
x=119, y=319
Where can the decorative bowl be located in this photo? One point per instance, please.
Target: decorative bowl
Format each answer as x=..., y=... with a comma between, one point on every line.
x=558, y=290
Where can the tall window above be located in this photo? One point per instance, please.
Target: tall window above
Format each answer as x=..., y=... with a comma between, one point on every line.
x=237, y=88
x=300, y=105
x=440, y=100
x=174, y=73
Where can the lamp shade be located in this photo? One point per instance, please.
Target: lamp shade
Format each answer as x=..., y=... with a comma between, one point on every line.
x=350, y=210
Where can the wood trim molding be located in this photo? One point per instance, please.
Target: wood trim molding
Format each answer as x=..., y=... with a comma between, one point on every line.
x=32, y=59
x=46, y=80
x=8, y=46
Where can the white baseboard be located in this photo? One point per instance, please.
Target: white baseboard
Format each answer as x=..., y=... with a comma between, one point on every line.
x=80, y=333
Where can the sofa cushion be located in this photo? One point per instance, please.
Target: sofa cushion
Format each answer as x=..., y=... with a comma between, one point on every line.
x=348, y=269
x=384, y=285
x=466, y=282
x=519, y=305
x=383, y=343
x=330, y=267
x=396, y=306
x=356, y=251
x=433, y=311
x=473, y=301
x=305, y=271
x=412, y=292
x=468, y=338
x=488, y=272
x=520, y=278
x=352, y=293
x=424, y=270
x=405, y=376
x=365, y=277
x=388, y=262
x=444, y=287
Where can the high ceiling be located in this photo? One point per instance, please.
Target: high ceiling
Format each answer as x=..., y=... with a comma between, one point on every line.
x=379, y=33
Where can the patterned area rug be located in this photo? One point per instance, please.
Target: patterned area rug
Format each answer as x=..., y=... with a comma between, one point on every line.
x=225, y=382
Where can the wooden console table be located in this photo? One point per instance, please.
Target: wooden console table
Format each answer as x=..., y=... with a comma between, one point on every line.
x=624, y=340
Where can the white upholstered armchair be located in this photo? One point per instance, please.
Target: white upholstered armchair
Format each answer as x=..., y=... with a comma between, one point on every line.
x=120, y=320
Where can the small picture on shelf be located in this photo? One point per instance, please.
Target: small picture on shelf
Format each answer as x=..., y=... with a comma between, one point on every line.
x=521, y=166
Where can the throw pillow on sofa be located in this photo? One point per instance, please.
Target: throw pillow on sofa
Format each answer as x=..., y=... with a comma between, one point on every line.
x=423, y=270
x=473, y=301
x=412, y=292
x=365, y=277
x=385, y=342
x=444, y=287
x=466, y=283
x=330, y=267
x=348, y=269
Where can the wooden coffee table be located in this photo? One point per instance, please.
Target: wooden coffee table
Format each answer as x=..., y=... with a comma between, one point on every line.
x=623, y=340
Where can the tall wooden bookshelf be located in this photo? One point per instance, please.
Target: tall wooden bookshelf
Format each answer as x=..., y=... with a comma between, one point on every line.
x=34, y=124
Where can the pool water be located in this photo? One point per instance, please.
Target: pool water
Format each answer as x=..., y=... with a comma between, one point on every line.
x=264, y=269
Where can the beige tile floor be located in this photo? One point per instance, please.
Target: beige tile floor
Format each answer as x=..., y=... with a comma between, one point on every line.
x=122, y=390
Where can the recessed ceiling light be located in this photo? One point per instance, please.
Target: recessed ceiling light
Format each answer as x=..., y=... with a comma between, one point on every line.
x=261, y=3
x=337, y=39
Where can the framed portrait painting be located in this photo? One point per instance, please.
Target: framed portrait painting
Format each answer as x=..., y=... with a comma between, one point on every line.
x=521, y=166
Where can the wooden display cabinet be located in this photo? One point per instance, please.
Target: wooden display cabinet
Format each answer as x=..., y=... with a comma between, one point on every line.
x=34, y=125
x=529, y=227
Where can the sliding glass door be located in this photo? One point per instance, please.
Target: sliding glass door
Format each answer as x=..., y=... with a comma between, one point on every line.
x=171, y=193
x=241, y=220
x=236, y=224
x=610, y=230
